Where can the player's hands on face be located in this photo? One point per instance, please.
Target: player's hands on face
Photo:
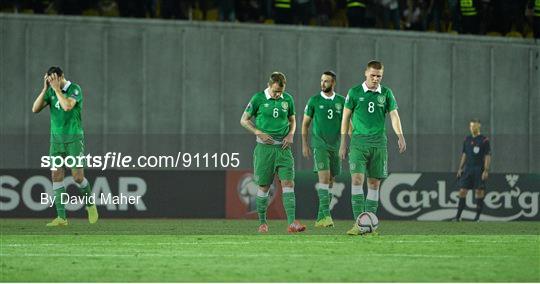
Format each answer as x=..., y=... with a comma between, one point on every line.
x=45, y=81
x=265, y=138
x=306, y=151
x=54, y=80
x=485, y=175
x=401, y=144
x=287, y=141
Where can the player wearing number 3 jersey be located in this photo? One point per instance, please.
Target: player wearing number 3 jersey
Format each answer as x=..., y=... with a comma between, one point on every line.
x=368, y=105
x=324, y=110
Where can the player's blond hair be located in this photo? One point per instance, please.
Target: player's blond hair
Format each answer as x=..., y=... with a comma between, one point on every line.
x=377, y=65
x=277, y=77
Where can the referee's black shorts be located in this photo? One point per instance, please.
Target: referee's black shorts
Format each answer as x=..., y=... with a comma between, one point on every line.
x=471, y=178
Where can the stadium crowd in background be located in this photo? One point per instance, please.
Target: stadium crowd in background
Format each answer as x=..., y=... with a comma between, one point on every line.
x=514, y=18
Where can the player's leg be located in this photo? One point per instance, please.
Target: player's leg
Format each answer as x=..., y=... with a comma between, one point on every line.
x=376, y=171
x=262, y=205
x=464, y=183
x=479, y=193
x=86, y=190
x=323, y=189
x=59, y=189
x=76, y=150
x=461, y=203
x=372, y=198
x=285, y=170
x=335, y=170
x=357, y=163
x=57, y=176
x=263, y=165
x=322, y=164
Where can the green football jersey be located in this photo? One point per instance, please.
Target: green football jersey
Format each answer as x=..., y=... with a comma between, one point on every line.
x=326, y=114
x=369, y=111
x=272, y=115
x=66, y=126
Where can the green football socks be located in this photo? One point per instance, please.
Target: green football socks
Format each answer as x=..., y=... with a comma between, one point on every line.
x=357, y=200
x=324, y=201
x=289, y=203
x=58, y=188
x=86, y=190
x=372, y=200
x=262, y=204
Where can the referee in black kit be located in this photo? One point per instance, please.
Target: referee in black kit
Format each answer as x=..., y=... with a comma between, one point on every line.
x=473, y=168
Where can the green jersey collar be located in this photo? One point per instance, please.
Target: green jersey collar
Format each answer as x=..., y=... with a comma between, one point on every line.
x=328, y=98
x=365, y=87
x=267, y=94
x=66, y=86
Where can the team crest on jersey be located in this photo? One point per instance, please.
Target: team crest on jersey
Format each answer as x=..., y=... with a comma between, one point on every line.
x=285, y=105
x=381, y=99
x=476, y=149
x=338, y=106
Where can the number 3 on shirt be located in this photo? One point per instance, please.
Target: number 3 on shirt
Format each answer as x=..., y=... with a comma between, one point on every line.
x=330, y=114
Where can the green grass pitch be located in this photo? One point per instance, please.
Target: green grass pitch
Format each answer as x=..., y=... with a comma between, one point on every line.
x=177, y=250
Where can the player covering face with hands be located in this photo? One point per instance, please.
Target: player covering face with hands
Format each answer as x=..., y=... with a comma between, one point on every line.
x=65, y=101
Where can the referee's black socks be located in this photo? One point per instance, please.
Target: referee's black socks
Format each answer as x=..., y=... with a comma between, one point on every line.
x=461, y=205
x=479, y=207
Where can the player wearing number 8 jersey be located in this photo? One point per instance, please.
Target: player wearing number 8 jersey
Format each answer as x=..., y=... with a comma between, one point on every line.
x=274, y=127
x=325, y=110
x=368, y=105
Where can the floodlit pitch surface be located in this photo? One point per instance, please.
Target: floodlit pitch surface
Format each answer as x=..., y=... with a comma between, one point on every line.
x=218, y=250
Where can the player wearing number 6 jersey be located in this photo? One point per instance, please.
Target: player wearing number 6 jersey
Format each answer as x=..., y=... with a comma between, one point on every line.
x=325, y=110
x=368, y=105
x=274, y=127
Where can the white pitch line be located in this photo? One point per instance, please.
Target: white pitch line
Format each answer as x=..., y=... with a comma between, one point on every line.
x=357, y=240
x=255, y=255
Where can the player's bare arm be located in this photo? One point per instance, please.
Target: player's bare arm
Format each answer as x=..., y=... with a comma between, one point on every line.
x=288, y=140
x=246, y=122
x=487, y=164
x=396, y=125
x=66, y=103
x=40, y=102
x=461, y=164
x=306, y=150
x=345, y=123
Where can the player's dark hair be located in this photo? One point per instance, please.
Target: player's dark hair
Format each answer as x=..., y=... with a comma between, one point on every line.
x=279, y=78
x=55, y=70
x=331, y=74
x=377, y=65
x=475, y=120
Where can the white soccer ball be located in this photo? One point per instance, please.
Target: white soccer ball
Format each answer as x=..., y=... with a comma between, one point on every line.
x=368, y=222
